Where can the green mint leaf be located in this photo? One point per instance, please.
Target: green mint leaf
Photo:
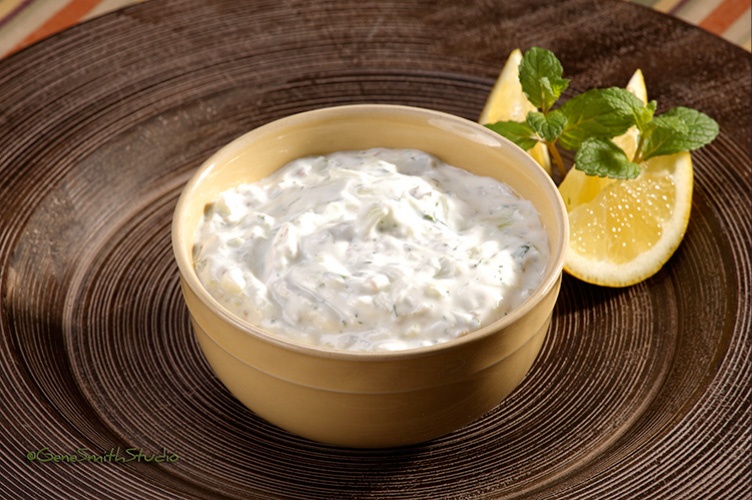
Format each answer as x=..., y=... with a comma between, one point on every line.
x=541, y=78
x=644, y=115
x=548, y=126
x=661, y=135
x=602, y=157
x=517, y=132
x=702, y=129
x=678, y=129
x=601, y=113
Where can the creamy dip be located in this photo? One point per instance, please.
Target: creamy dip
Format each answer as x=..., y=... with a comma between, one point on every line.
x=374, y=250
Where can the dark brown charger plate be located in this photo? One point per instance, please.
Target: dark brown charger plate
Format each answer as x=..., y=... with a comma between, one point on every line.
x=642, y=392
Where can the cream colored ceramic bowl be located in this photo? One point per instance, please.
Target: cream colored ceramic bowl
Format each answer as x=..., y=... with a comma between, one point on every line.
x=370, y=399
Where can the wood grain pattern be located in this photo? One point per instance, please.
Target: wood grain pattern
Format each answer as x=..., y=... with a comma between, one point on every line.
x=643, y=390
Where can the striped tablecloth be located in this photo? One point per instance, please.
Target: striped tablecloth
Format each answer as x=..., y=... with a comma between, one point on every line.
x=23, y=22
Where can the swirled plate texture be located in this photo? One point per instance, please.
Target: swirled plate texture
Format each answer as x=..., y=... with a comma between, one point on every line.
x=638, y=393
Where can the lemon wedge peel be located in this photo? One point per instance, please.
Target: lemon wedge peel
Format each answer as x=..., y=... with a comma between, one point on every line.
x=624, y=231
x=507, y=101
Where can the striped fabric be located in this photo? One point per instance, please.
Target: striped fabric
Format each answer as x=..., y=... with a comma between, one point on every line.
x=730, y=19
x=22, y=22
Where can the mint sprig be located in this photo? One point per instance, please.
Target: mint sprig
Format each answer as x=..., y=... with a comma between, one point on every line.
x=587, y=122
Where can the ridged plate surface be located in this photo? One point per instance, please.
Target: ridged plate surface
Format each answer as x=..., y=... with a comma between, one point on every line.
x=638, y=393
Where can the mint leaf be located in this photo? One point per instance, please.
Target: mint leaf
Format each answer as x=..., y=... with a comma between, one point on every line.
x=600, y=113
x=678, y=129
x=661, y=135
x=541, y=78
x=602, y=157
x=644, y=115
x=549, y=126
x=517, y=132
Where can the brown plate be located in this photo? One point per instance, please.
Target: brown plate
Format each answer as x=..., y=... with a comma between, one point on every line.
x=638, y=393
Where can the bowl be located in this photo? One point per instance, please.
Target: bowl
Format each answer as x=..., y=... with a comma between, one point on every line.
x=370, y=399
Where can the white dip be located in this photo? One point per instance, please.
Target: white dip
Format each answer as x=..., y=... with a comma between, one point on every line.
x=375, y=250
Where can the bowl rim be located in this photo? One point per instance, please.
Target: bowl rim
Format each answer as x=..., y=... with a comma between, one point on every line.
x=229, y=150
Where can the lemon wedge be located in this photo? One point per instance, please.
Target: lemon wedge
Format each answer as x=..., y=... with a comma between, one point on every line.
x=507, y=101
x=624, y=231
x=628, y=140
